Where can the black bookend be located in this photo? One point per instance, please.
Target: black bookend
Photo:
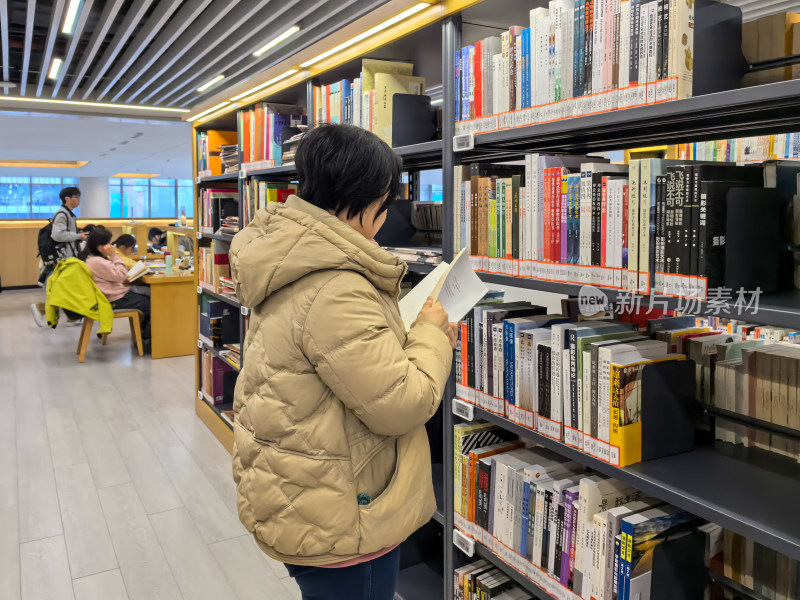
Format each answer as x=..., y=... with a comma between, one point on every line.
x=669, y=408
x=755, y=253
x=228, y=386
x=716, y=25
x=679, y=570
x=413, y=120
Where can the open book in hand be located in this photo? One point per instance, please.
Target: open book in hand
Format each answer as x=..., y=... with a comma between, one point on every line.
x=138, y=270
x=455, y=285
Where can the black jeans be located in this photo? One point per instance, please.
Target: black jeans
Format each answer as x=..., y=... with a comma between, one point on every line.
x=373, y=580
x=138, y=302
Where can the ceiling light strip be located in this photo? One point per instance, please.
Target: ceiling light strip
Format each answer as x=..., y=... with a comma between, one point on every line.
x=69, y=19
x=210, y=110
x=271, y=44
x=52, y=164
x=55, y=67
x=91, y=104
x=261, y=86
x=368, y=33
x=208, y=84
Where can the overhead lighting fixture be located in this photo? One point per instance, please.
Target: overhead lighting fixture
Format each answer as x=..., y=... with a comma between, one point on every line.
x=207, y=85
x=133, y=175
x=285, y=35
x=89, y=104
x=54, y=68
x=368, y=33
x=209, y=111
x=261, y=86
x=52, y=164
x=69, y=19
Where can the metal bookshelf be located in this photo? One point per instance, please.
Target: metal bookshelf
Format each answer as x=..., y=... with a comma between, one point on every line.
x=751, y=493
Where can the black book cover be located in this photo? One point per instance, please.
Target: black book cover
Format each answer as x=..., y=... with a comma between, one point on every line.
x=713, y=182
x=665, y=41
x=661, y=201
x=548, y=507
x=516, y=183
x=544, y=380
x=484, y=487
x=633, y=75
x=471, y=350
x=661, y=8
x=555, y=568
x=597, y=205
x=684, y=259
x=674, y=180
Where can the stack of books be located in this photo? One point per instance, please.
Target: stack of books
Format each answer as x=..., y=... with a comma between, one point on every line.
x=216, y=204
x=232, y=353
x=229, y=156
x=481, y=579
x=226, y=285
x=431, y=256
x=426, y=216
x=230, y=225
x=367, y=101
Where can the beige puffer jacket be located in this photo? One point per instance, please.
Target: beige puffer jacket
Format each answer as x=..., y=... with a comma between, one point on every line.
x=333, y=397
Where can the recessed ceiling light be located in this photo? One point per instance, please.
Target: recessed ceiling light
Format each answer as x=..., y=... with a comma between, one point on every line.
x=54, y=68
x=261, y=86
x=208, y=84
x=368, y=33
x=90, y=104
x=209, y=111
x=69, y=19
x=272, y=43
x=57, y=164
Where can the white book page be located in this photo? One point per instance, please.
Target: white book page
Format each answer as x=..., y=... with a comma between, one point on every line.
x=415, y=299
x=455, y=285
x=460, y=289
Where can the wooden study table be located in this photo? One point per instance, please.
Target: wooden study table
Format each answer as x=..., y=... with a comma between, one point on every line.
x=173, y=319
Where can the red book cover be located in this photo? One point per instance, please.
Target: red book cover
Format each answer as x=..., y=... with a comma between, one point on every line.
x=625, y=227
x=555, y=240
x=328, y=104
x=284, y=193
x=603, y=220
x=478, y=90
x=547, y=217
x=464, y=354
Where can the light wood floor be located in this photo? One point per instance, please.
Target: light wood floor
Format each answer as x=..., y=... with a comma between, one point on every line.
x=110, y=487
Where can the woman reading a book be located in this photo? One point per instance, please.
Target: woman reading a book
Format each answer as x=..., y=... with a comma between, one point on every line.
x=331, y=457
x=111, y=276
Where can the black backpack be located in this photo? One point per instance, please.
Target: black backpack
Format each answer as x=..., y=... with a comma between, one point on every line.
x=48, y=247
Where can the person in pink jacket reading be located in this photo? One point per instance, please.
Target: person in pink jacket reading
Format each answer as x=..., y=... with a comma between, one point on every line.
x=111, y=276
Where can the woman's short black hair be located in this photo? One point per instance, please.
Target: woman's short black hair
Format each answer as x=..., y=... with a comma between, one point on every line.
x=126, y=240
x=154, y=231
x=346, y=168
x=99, y=236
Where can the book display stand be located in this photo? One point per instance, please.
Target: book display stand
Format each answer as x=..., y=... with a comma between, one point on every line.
x=752, y=497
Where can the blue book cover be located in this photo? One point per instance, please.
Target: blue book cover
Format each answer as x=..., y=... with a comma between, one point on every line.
x=457, y=107
x=617, y=563
x=466, y=82
x=526, y=67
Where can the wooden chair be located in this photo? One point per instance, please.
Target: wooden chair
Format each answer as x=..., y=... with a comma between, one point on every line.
x=133, y=317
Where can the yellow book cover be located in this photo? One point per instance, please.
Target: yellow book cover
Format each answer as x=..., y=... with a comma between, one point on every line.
x=626, y=405
x=386, y=86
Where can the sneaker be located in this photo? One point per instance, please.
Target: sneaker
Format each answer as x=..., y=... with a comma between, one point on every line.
x=38, y=316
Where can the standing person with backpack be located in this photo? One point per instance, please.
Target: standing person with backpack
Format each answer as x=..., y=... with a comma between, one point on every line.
x=63, y=242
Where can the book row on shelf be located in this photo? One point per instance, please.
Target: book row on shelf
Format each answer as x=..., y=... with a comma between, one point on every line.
x=264, y=126
x=258, y=192
x=481, y=579
x=576, y=534
x=579, y=57
x=216, y=206
x=214, y=269
x=218, y=323
x=670, y=227
x=367, y=100
x=599, y=385
x=217, y=379
x=216, y=152
x=783, y=146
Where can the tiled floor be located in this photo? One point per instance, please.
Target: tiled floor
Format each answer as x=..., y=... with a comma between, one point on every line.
x=110, y=487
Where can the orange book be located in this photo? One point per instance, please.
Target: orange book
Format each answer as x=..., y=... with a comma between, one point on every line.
x=474, y=457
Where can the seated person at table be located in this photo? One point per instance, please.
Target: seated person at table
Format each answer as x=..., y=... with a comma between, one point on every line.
x=124, y=246
x=158, y=240
x=111, y=276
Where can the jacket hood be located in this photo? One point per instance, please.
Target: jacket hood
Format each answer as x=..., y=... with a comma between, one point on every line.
x=287, y=241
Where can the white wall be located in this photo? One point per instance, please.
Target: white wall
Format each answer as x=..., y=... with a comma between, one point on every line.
x=94, y=197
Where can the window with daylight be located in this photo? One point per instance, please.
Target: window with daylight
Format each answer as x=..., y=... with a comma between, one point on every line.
x=32, y=197
x=150, y=198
